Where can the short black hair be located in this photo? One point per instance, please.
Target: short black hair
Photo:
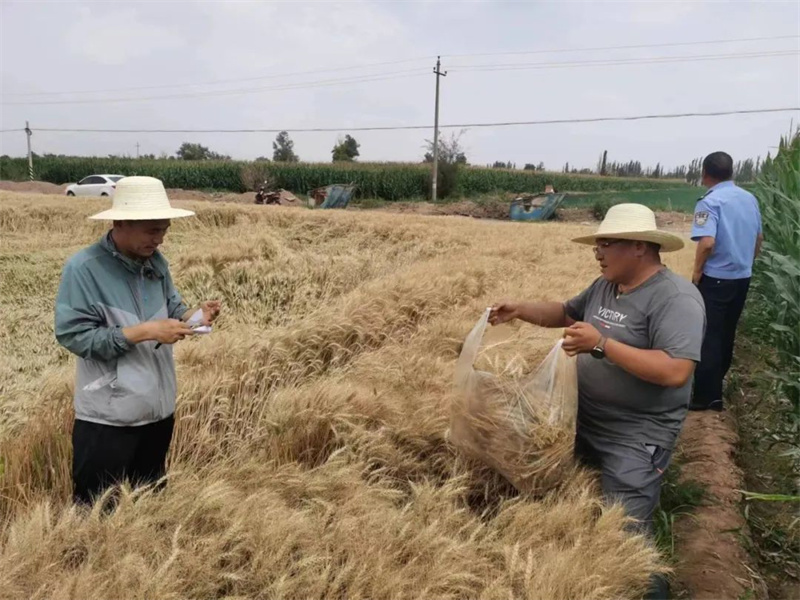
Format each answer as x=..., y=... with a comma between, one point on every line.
x=719, y=166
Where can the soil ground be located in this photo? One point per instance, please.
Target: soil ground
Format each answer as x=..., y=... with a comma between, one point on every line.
x=42, y=187
x=485, y=208
x=730, y=547
x=35, y=187
x=498, y=209
x=713, y=563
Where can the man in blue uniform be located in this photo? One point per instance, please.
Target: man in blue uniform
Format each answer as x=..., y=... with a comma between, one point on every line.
x=727, y=229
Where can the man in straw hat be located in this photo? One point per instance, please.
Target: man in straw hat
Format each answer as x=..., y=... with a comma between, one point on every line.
x=638, y=333
x=118, y=310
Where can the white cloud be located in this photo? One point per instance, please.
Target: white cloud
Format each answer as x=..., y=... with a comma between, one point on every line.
x=114, y=38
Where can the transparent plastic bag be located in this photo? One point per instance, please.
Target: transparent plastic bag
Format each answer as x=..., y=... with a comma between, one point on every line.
x=523, y=429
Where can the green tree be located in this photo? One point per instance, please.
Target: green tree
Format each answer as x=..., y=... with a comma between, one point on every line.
x=283, y=149
x=656, y=172
x=694, y=172
x=451, y=155
x=539, y=167
x=190, y=151
x=601, y=163
x=345, y=150
x=745, y=170
x=450, y=150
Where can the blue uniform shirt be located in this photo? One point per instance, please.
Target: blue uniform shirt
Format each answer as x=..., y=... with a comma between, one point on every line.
x=730, y=215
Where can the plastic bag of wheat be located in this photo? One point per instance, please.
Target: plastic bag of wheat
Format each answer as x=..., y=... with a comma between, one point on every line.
x=524, y=429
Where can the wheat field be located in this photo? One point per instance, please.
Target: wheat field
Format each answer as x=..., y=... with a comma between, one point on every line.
x=310, y=458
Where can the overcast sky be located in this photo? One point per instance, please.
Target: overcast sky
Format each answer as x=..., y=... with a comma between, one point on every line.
x=50, y=47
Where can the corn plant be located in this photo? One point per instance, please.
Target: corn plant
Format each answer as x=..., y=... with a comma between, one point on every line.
x=387, y=181
x=777, y=276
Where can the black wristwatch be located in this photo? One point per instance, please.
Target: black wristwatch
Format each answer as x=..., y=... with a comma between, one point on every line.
x=599, y=351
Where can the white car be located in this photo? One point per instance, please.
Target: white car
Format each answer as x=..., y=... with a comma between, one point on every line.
x=94, y=185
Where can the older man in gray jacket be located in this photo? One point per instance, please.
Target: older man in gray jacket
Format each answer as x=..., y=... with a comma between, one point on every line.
x=119, y=312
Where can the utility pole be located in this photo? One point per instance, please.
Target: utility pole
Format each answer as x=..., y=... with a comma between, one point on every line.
x=437, y=71
x=137, y=149
x=29, y=133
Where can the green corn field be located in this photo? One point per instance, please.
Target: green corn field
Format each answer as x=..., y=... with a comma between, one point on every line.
x=777, y=274
x=387, y=181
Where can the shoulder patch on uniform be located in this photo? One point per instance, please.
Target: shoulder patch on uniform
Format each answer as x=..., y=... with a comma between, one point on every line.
x=701, y=218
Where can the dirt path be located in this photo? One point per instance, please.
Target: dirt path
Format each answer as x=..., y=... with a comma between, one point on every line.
x=487, y=208
x=713, y=562
x=42, y=187
x=32, y=187
x=676, y=222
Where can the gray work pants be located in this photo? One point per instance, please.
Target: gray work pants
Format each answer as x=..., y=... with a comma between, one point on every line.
x=631, y=474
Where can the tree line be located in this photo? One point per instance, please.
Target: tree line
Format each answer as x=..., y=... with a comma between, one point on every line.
x=451, y=152
x=745, y=171
x=345, y=150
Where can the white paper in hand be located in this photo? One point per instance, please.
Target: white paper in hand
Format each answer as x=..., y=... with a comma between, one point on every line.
x=195, y=320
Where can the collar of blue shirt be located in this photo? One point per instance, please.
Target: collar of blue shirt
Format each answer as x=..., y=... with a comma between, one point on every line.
x=721, y=184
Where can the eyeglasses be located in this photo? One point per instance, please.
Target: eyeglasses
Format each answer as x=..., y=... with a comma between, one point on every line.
x=605, y=245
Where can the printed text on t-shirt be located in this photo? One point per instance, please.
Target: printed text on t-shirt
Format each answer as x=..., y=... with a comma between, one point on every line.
x=610, y=317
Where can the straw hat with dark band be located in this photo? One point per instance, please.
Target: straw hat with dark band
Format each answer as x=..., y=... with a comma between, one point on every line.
x=141, y=199
x=633, y=222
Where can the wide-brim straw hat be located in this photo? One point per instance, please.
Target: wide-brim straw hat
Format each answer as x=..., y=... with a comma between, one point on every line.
x=141, y=199
x=633, y=222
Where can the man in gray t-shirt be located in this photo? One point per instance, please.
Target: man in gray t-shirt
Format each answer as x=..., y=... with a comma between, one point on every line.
x=663, y=313
x=637, y=331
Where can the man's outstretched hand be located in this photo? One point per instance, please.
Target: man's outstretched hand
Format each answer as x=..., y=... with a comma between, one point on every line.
x=503, y=312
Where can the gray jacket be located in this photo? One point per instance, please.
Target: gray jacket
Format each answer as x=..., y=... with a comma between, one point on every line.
x=101, y=292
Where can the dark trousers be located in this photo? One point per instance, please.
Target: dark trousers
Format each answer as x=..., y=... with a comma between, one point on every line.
x=104, y=456
x=724, y=299
x=631, y=474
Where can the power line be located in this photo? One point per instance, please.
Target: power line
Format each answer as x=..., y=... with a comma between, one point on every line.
x=296, y=86
x=221, y=81
x=633, y=118
x=413, y=127
x=394, y=62
x=632, y=47
x=622, y=61
x=413, y=73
